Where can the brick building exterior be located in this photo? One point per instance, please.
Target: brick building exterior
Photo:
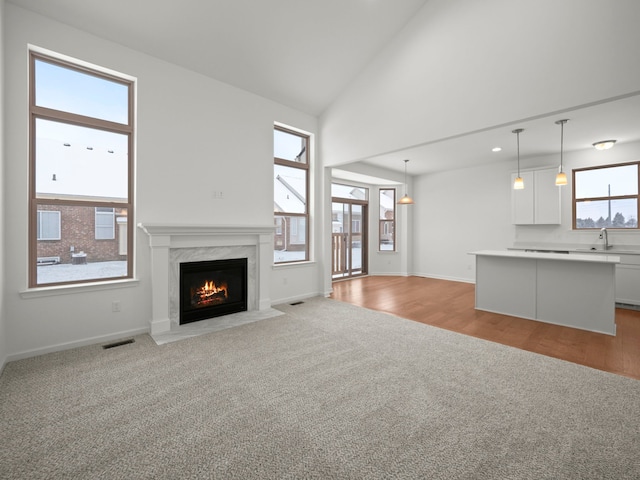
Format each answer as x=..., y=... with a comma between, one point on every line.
x=77, y=234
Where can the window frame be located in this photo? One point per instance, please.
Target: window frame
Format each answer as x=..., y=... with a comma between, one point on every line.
x=39, y=112
x=303, y=165
x=382, y=222
x=575, y=201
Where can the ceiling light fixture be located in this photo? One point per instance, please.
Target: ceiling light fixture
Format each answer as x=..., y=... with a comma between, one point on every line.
x=518, y=184
x=406, y=199
x=561, y=178
x=496, y=149
x=604, y=144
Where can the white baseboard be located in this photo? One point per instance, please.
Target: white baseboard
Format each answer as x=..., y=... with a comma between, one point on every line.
x=389, y=274
x=296, y=298
x=425, y=275
x=440, y=277
x=79, y=343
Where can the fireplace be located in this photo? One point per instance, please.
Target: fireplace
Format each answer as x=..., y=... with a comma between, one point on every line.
x=212, y=288
x=173, y=244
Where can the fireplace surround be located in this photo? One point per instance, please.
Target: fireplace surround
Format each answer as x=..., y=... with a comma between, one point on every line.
x=172, y=244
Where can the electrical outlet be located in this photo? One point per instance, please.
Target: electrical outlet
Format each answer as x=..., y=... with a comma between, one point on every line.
x=115, y=306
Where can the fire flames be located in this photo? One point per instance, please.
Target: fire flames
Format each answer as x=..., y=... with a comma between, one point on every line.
x=209, y=293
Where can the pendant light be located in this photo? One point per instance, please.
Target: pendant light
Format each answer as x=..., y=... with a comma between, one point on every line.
x=561, y=178
x=406, y=199
x=519, y=183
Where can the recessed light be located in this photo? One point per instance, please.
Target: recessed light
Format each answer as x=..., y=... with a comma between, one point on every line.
x=496, y=149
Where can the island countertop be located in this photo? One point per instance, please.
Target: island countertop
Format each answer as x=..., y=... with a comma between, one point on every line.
x=573, y=257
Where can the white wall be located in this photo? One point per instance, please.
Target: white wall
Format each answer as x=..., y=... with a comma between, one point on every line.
x=466, y=65
x=457, y=212
x=194, y=136
x=3, y=200
x=460, y=211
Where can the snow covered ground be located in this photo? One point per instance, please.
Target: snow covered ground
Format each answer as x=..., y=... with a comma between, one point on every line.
x=68, y=272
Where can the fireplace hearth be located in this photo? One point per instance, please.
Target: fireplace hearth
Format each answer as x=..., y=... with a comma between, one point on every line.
x=212, y=288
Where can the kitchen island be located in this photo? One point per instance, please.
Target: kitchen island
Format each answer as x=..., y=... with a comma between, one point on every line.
x=572, y=290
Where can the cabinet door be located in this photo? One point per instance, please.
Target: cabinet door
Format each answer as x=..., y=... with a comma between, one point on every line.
x=628, y=280
x=547, y=197
x=522, y=200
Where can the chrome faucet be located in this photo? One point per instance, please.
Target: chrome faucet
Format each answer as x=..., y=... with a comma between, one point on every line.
x=604, y=236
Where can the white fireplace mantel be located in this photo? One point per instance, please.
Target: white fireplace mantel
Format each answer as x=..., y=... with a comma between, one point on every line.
x=165, y=237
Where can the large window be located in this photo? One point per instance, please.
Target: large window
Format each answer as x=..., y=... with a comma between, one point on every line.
x=290, y=196
x=606, y=196
x=81, y=164
x=387, y=222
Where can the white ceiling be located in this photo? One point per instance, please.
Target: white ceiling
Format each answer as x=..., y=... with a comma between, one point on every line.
x=304, y=53
x=617, y=119
x=301, y=53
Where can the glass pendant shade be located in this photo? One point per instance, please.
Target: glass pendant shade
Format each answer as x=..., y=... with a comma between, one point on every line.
x=561, y=179
x=406, y=200
x=518, y=184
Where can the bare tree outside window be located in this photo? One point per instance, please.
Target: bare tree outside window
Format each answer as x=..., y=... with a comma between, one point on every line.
x=606, y=196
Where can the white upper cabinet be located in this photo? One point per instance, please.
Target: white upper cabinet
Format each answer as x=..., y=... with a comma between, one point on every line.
x=539, y=202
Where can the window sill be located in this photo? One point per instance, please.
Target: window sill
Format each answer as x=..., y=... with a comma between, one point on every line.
x=78, y=288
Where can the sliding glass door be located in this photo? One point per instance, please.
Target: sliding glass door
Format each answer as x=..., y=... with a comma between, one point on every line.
x=349, y=238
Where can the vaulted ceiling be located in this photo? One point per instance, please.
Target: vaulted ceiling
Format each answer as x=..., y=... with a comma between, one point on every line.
x=448, y=73
x=300, y=53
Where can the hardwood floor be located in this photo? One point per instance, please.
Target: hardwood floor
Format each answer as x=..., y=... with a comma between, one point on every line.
x=451, y=305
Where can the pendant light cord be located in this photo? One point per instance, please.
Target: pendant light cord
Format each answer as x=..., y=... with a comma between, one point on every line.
x=561, y=144
x=518, y=142
x=405, y=177
x=561, y=123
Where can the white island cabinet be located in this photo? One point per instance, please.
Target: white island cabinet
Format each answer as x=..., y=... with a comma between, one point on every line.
x=627, y=273
x=572, y=290
x=628, y=280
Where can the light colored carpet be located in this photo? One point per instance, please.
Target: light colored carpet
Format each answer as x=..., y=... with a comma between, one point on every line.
x=327, y=391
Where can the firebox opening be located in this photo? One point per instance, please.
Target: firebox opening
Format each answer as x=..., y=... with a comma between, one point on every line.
x=212, y=288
